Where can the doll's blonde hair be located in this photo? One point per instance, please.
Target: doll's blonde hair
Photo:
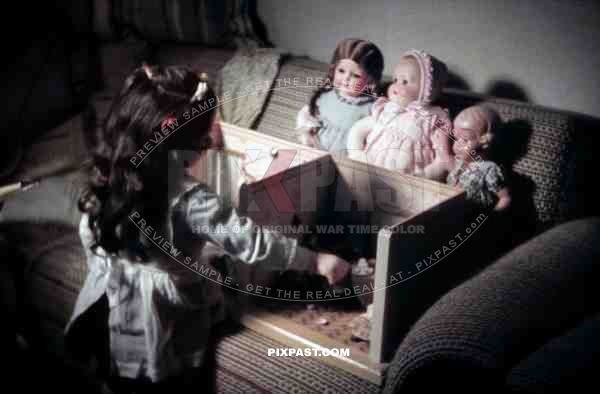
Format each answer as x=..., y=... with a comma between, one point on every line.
x=483, y=118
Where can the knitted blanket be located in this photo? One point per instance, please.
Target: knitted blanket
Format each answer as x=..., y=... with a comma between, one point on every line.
x=244, y=84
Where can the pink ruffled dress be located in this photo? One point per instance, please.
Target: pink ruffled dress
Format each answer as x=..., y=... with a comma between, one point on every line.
x=402, y=139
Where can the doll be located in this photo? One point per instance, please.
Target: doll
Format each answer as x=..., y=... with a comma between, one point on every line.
x=346, y=96
x=470, y=167
x=399, y=133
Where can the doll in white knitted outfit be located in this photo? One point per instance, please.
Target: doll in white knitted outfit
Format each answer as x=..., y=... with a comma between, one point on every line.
x=400, y=132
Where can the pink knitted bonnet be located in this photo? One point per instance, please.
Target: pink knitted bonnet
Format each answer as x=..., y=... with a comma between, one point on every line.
x=434, y=74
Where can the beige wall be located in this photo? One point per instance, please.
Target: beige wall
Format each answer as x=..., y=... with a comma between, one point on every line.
x=549, y=50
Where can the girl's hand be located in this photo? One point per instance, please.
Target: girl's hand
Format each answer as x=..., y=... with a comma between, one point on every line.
x=332, y=267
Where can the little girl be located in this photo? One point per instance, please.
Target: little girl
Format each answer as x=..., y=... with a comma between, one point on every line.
x=470, y=168
x=399, y=133
x=346, y=96
x=159, y=313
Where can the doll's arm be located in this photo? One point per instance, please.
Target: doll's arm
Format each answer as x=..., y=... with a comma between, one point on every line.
x=357, y=136
x=504, y=199
x=437, y=170
x=307, y=127
x=308, y=136
x=496, y=182
x=442, y=146
x=378, y=106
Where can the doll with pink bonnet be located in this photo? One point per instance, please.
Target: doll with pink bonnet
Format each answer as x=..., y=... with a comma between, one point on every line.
x=400, y=132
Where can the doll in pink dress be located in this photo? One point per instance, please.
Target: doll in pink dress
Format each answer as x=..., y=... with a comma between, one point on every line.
x=399, y=134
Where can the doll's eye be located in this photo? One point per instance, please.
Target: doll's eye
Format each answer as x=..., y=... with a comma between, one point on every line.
x=356, y=76
x=395, y=80
x=404, y=82
x=341, y=70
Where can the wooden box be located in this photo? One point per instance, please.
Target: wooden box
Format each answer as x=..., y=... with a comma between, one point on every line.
x=407, y=224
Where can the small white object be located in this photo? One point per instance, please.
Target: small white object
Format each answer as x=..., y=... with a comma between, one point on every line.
x=362, y=267
x=200, y=90
x=322, y=321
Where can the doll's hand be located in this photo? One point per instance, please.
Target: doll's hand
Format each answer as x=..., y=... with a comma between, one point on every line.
x=332, y=267
x=309, y=137
x=378, y=105
x=442, y=146
x=503, y=200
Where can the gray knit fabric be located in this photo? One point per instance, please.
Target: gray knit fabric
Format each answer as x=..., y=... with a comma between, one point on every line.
x=565, y=362
x=481, y=329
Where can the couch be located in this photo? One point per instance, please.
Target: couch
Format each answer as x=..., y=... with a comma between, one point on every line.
x=544, y=149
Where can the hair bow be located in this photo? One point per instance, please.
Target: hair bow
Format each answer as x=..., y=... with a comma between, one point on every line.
x=201, y=88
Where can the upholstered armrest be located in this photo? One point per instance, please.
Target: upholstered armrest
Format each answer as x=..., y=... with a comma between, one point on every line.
x=478, y=331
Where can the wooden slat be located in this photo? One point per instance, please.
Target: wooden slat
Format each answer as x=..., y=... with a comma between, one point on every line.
x=296, y=336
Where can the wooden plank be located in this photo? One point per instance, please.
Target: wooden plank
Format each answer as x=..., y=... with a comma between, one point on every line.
x=239, y=139
x=295, y=336
x=408, y=285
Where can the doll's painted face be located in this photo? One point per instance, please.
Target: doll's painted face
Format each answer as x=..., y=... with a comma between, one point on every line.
x=349, y=78
x=467, y=138
x=407, y=82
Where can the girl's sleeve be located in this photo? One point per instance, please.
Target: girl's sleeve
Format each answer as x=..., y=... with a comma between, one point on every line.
x=86, y=237
x=240, y=237
x=305, y=120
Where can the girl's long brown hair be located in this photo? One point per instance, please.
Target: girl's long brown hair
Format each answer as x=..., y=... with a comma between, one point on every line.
x=119, y=182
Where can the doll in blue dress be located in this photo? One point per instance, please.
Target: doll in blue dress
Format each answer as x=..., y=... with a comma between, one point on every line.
x=347, y=95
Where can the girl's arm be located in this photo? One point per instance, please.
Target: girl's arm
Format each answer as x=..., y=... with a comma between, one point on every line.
x=241, y=238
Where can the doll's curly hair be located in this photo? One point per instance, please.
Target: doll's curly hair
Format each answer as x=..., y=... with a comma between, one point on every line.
x=364, y=53
x=119, y=182
x=484, y=118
